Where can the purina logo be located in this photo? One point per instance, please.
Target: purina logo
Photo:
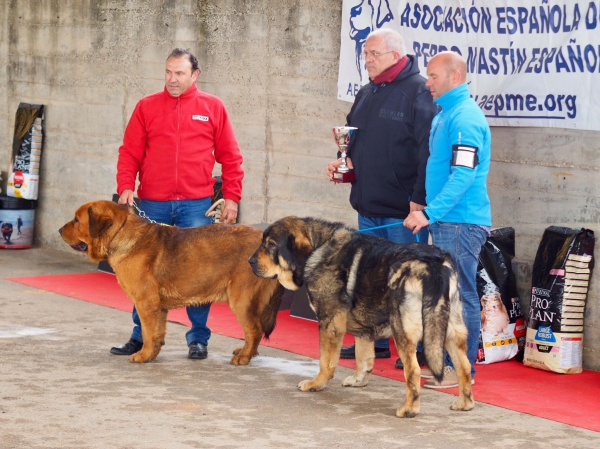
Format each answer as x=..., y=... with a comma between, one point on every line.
x=367, y=16
x=201, y=118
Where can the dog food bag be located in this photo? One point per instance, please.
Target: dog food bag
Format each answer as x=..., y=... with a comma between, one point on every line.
x=560, y=281
x=24, y=170
x=502, y=325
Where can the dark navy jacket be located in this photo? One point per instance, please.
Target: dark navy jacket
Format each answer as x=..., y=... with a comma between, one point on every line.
x=391, y=146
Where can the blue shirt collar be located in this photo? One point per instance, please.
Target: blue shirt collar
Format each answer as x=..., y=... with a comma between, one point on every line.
x=453, y=96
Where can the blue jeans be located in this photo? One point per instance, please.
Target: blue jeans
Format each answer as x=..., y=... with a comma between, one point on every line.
x=463, y=242
x=185, y=214
x=397, y=234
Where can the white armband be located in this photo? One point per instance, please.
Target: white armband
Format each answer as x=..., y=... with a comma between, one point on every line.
x=464, y=156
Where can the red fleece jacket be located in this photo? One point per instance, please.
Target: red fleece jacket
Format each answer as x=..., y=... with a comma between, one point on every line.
x=173, y=143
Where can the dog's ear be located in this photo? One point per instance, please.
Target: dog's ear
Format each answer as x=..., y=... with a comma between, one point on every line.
x=301, y=248
x=98, y=224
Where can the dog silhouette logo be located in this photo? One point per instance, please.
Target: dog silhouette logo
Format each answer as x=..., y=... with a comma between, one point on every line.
x=367, y=16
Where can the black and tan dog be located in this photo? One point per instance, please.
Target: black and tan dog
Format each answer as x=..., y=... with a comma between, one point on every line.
x=166, y=267
x=371, y=288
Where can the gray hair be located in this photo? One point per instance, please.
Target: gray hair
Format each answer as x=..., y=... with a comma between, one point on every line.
x=393, y=40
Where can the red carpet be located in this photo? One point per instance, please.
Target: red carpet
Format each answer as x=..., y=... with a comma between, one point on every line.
x=571, y=399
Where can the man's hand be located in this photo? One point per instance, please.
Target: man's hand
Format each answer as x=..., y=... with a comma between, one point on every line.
x=415, y=221
x=333, y=165
x=415, y=206
x=126, y=197
x=230, y=212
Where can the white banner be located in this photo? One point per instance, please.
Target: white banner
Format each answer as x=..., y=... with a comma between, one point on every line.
x=529, y=62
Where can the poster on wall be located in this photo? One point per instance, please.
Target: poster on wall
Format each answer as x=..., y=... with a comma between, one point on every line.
x=529, y=62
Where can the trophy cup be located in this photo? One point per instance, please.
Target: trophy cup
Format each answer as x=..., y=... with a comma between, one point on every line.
x=342, y=136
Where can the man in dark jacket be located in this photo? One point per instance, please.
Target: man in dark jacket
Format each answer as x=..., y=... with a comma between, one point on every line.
x=389, y=151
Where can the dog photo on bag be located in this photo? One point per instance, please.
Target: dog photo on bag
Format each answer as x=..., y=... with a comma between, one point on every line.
x=373, y=289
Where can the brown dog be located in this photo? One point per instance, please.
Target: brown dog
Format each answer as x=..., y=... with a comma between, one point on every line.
x=371, y=288
x=166, y=267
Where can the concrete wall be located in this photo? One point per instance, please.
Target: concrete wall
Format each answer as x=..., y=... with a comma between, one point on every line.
x=275, y=65
x=5, y=133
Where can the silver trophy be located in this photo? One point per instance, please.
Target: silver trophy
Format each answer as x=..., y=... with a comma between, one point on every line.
x=342, y=136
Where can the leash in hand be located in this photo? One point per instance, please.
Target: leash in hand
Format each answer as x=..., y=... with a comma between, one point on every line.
x=400, y=223
x=215, y=211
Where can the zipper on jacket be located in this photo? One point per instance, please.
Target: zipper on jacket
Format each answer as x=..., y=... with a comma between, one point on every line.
x=178, y=107
x=361, y=208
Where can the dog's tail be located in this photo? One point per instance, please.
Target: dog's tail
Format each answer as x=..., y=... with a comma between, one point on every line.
x=439, y=292
x=268, y=317
x=421, y=288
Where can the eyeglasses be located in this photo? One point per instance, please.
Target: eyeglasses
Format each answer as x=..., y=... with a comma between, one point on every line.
x=374, y=54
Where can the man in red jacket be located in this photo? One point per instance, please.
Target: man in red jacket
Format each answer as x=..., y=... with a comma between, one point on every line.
x=171, y=143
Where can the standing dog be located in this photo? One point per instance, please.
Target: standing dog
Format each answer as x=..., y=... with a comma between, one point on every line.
x=166, y=267
x=371, y=288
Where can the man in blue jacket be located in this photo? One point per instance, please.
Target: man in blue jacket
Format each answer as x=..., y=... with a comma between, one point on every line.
x=389, y=150
x=458, y=208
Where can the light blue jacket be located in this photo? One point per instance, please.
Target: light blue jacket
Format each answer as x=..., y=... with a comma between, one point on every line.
x=458, y=193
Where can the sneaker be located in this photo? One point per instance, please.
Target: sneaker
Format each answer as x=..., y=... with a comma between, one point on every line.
x=426, y=373
x=347, y=352
x=450, y=380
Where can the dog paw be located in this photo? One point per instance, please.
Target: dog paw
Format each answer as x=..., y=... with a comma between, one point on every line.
x=462, y=405
x=309, y=385
x=139, y=358
x=352, y=381
x=240, y=359
x=405, y=412
x=236, y=351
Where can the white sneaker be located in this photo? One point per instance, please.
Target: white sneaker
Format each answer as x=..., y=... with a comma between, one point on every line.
x=426, y=373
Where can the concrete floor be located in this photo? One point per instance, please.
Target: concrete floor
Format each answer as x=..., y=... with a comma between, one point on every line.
x=60, y=388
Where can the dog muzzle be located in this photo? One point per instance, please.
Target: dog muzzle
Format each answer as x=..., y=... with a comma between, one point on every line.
x=80, y=247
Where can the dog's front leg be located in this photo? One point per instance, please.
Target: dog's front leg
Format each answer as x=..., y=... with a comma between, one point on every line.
x=154, y=323
x=252, y=336
x=331, y=335
x=365, y=358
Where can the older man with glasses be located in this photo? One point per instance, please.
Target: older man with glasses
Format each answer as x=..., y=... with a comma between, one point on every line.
x=389, y=151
